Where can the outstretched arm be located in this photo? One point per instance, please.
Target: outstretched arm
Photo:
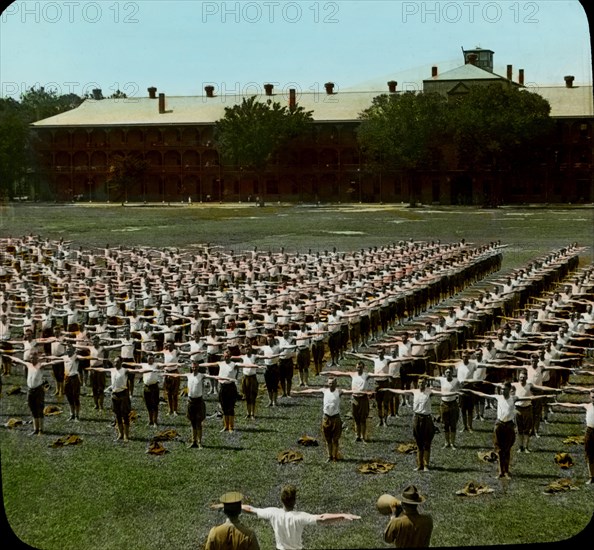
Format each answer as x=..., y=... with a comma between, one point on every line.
x=480, y=393
x=329, y=518
x=395, y=391
x=571, y=405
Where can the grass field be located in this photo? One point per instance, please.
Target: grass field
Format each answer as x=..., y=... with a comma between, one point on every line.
x=107, y=495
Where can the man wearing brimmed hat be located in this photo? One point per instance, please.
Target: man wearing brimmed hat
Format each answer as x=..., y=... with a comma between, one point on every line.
x=231, y=535
x=410, y=529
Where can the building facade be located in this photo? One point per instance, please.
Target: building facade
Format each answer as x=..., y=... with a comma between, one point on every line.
x=174, y=136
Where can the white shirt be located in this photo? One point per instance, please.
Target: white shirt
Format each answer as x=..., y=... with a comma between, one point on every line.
x=227, y=370
x=331, y=401
x=380, y=366
x=465, y=372
x=422, y=401
x=34, y=376
x=119, y=379
x=590, y=415
x=505, y=408
x=360, y=382
x=249, y=360
x=150, y=377
x=287, y=526
x=70, y=365
x=448, y=386
x=268, y=352
x=535, y=375
x=523, y=391
x=195, y=385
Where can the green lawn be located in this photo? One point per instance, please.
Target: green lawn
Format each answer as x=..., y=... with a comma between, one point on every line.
x=103, y=494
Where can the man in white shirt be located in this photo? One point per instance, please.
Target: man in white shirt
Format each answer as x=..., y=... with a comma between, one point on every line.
x=287, y=352
x=120, y=396
x=196, y=407
x=35, y=385
x=150, y=377
x=589, y=435
x=331, y=422
x=288, y=524
x=360, y=401
x=303, y=341
x=449, y=409
x=464, y=373
x=505, y=433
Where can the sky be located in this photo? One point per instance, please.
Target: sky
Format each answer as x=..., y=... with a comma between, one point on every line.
x=180, y=46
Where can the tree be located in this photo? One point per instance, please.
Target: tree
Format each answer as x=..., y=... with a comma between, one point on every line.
x=251, y=133
x=14, y=132
x=490, y=127
x=118, y=95
x=402, y=132
x=38, y=103
x=499, y=126
x=124, y=171
x=17, y=155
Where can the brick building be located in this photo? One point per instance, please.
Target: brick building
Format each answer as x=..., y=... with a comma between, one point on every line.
x=174, y=135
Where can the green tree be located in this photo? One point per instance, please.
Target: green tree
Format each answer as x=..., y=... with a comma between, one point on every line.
x=14, y=132
x=118, y=95
x=403, y=132
x=39, y=103
x=490, y=127
x=17, y=156
x=250, y=134
x=501, y=127
x=124, y=171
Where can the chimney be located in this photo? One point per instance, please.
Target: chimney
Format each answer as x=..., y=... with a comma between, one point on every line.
x=521, y=77
x=161, y=103
x=209, y=91
x=292, y=99
x=472, y=57
x=152, y=92
x=569, y=81
x=97, y=93
x=434, y=71
x=392, y=86
x=329, y=87
x=268, y=88
x=509, y=72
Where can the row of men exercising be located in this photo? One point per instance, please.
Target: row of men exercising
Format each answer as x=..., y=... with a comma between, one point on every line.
x=368, y=312
x=389, y=371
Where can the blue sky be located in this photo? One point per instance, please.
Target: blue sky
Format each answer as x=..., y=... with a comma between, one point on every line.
x=179, y=46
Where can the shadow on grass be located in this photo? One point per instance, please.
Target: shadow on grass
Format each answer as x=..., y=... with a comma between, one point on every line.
x=256, y=429
x=452, y=470
x=223, y=447
x=526, y=475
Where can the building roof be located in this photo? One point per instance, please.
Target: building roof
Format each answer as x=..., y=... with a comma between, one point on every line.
x=344, y=106
x=340, y=107
x=466, y=72
x=577, y=101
